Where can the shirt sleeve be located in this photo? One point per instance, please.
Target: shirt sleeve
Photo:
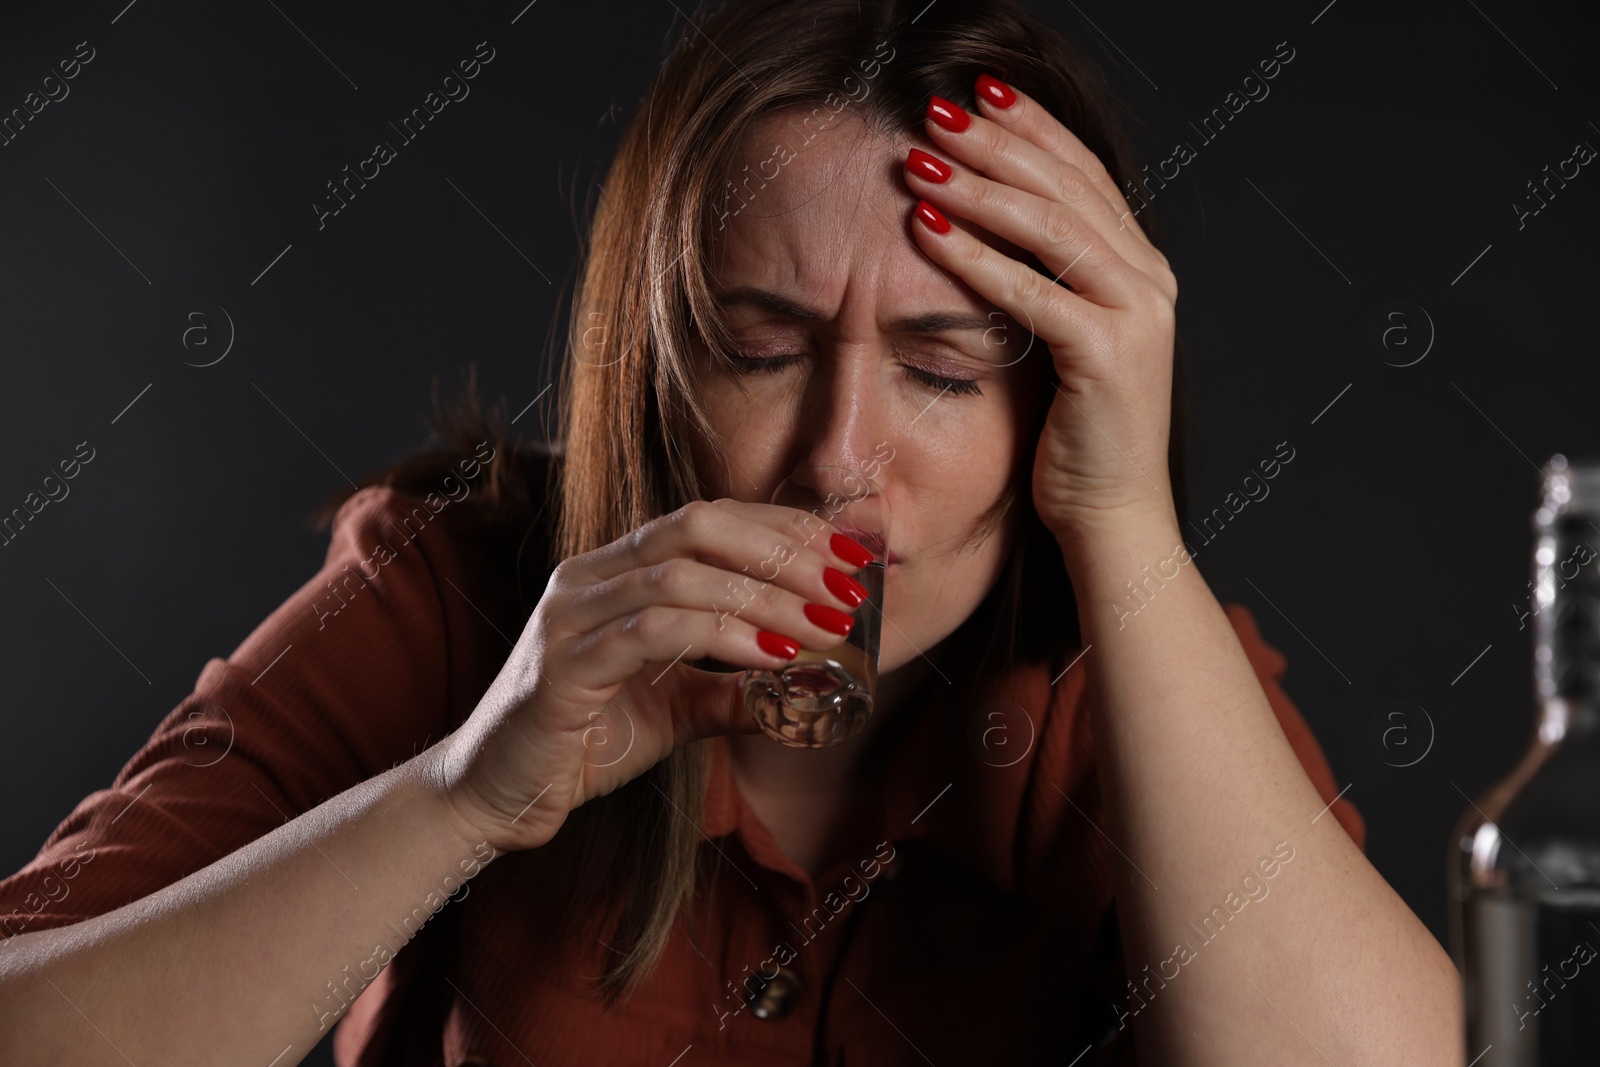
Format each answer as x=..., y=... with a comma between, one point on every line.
x=346, y=678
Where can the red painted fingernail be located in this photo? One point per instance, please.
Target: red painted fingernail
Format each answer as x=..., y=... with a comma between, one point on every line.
x=932, y=217
x=926, y=167
x=777, y=644
x=948, y=115
x=853, y=552
x=844, y=587
x=995, y=91
x=831, y=619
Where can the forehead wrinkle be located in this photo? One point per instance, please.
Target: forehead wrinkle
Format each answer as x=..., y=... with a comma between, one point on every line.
x=854, y=267
x=823, y=260
x=840, y=227
x=814, y=214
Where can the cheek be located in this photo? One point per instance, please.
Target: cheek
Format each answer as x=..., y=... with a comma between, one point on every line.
x=930, y=600
x=951, y=494
x=754, y=434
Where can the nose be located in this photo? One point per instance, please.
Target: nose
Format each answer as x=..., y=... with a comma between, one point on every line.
x=845, y=414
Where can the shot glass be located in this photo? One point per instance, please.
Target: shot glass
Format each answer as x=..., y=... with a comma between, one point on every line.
x=824, y=698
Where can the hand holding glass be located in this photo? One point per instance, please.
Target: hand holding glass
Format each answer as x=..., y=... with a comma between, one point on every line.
x=825, y=698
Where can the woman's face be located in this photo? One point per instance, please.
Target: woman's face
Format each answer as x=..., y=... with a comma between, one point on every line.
x=817, y=263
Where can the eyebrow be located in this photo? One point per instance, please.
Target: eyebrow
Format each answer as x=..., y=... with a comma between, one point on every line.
x=929, y=323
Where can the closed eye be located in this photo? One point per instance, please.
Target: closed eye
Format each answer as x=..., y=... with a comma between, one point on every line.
x=773, y=364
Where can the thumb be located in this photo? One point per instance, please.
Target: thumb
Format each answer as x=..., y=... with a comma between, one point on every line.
x=713, y=703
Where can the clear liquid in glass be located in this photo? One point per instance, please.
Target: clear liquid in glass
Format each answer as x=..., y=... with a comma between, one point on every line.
x=823, y=698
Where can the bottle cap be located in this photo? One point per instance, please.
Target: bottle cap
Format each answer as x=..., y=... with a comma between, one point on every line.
x=1571, y=486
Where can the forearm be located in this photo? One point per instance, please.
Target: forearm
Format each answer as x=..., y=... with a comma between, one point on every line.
x=1199, y=785
x=253, y=957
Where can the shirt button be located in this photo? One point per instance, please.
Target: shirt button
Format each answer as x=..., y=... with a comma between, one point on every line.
x=777, y=996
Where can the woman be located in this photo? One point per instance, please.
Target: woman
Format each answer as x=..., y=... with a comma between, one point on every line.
x=861, y=234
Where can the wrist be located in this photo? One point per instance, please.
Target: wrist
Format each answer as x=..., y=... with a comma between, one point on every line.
x=1119, y=571
x=451, y=816
x=1113, y=541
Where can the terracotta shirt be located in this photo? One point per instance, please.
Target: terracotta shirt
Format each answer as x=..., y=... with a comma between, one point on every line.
x=972, y=925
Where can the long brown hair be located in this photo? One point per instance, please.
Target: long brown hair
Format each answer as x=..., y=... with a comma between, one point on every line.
x=627, y=402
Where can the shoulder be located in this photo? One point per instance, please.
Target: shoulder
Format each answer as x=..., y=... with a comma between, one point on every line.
x=490, y=487
x=493, y=499
x=461, y=534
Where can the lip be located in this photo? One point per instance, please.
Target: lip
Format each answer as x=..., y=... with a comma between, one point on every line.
x=871, y=540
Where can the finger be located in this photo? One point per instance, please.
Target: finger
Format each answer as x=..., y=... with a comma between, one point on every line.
x=992, y=149
x=688, y=583
x=1027, y=118
x=1069, y=246
x=660, y=636
x=792, y=547
x=1057, y=316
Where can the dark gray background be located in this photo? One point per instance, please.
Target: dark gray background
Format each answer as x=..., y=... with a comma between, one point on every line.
x=1388, y=556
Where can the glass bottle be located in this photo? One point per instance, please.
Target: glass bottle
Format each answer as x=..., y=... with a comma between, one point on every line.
x=1524, y=868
